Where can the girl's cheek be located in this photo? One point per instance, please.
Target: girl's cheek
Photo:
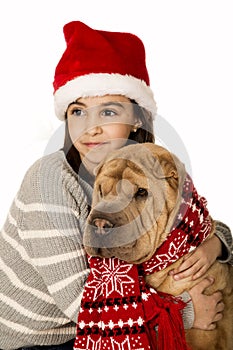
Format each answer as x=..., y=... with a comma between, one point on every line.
x=75, y=131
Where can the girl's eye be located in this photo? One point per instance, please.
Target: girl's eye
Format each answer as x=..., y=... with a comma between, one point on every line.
x=109, y=113
x=77, y=112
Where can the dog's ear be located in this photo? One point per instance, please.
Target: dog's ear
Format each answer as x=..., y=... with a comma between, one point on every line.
x=169, y=167
x=166, y=164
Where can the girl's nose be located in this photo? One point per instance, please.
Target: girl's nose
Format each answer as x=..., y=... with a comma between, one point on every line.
x=94, y=130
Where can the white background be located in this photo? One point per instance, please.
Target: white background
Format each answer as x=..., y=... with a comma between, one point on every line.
x=189, y=58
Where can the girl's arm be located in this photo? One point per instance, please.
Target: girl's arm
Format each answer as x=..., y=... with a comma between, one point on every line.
x=54, y=210
x=198, y=262
x=202, y=311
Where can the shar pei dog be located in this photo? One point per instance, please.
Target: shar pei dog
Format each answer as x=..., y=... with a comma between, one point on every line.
x=136, y=198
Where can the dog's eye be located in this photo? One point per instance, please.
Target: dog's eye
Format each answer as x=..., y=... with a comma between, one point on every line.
x=141, y=192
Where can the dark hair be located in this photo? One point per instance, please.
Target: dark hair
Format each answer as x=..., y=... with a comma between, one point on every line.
x=144, y=134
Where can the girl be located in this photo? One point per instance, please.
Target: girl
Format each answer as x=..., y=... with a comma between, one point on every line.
x=101, y=90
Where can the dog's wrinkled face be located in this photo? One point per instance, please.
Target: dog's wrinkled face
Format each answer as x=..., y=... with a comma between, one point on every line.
x=136, y=196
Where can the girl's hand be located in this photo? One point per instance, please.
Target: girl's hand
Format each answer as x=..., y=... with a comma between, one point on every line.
x=207, y=308
x=197, y=262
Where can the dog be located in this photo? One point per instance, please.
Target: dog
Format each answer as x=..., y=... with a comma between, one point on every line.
x=136, y=198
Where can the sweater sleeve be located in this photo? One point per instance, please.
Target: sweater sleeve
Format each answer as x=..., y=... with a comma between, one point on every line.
x=54, y=212
x=188, y=311
x=223, y=232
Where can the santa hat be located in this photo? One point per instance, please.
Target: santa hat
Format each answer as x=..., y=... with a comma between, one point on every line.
x=97, y=63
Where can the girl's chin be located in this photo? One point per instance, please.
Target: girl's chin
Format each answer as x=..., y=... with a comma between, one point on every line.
x=91, y=163
x=96, y=155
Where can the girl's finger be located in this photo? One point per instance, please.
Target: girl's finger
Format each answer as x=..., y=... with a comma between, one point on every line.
x=185, y=265
x=220, y=307
x=186, y=273
x=200, y=272
x=218, y=317
x=211, y=327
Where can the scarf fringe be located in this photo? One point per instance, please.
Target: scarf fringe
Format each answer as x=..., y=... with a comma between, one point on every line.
x=164, y=322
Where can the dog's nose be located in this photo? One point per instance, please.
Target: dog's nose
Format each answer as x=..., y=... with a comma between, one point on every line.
x=103, y=226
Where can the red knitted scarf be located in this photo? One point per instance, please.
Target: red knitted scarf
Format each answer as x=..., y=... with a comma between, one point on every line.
x=119, y=311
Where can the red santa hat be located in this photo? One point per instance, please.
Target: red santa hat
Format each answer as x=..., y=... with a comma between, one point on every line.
x=98, y=63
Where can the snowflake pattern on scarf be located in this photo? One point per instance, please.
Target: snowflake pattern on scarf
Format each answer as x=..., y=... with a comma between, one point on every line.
x=113, y=277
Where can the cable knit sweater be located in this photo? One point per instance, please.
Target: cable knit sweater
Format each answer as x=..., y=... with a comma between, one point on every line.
x=43, y=266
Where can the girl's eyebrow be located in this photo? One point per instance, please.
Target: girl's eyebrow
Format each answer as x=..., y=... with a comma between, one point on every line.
x=105, y=104
x=114, y=103
x=77, y=103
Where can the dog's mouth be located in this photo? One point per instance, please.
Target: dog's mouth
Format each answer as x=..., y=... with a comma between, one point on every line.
x=122, y=253
x=116, y=252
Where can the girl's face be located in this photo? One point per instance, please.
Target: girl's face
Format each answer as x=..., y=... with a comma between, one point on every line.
x=98, y=125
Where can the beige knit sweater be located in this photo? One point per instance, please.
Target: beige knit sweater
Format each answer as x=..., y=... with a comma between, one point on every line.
x=43, y=266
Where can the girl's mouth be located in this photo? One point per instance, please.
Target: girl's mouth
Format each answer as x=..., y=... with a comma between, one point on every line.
x=94, y=144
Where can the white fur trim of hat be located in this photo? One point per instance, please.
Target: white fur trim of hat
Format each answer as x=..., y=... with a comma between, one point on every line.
x=100, y=84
